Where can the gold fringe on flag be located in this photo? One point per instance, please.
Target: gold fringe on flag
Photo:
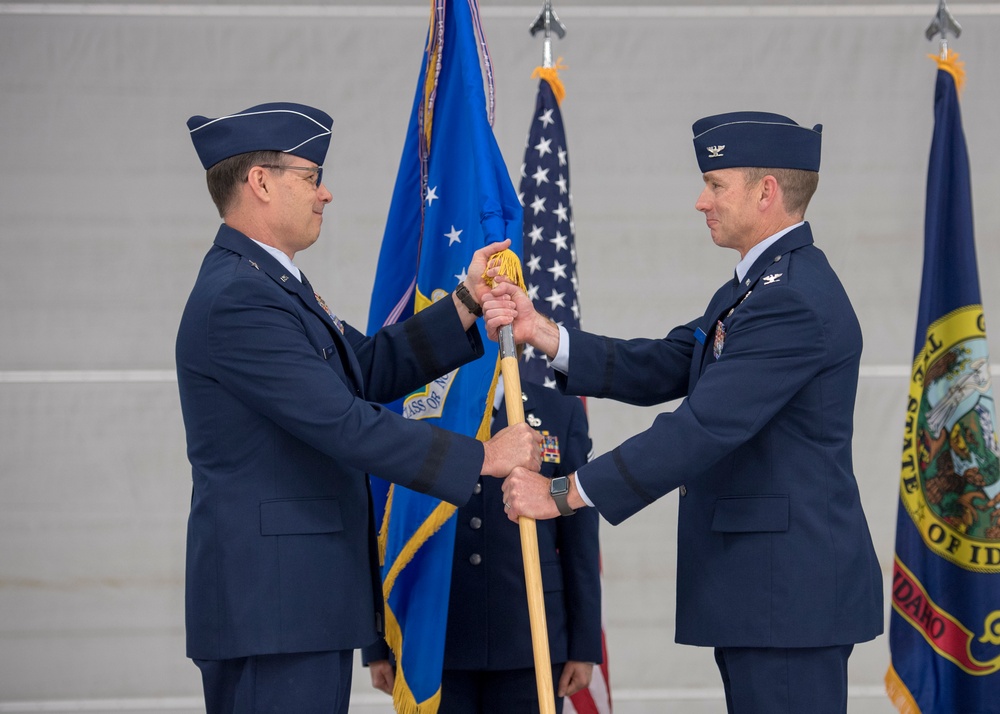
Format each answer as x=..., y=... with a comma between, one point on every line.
x=899, y=694
x=431, y=525
x=951, y=64
x=383, y=532
x=551, y=75
x=510, y=267
x=402, y=697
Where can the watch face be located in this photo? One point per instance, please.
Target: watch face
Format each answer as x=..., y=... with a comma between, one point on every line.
x=559, y=491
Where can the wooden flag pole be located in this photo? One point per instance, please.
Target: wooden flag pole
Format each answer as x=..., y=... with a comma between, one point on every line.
x=529, y=537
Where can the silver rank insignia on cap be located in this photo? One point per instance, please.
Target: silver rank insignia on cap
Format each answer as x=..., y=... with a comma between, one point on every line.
x=772, y=279
x=715, y=152
x=550, y=448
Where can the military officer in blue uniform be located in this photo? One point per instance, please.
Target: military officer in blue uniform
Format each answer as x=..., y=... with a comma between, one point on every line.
x=488, y=658
x=775, y=564
x=280, y=400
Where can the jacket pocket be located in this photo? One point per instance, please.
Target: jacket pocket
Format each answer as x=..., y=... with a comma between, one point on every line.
x=300, y=516
x=750, y=514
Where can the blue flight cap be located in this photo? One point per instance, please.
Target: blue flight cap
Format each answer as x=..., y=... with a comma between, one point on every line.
x=755, y=139
x=280, y=126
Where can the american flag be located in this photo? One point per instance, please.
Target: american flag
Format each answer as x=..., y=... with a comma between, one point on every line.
x=550, y=276
x=549, y=243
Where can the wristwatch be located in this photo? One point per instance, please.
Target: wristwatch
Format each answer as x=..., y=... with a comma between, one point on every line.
x=462, y=293
x=559, y=490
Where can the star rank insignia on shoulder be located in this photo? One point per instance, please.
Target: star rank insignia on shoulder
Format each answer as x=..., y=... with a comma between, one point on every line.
x=550, y=448
x=772, y=278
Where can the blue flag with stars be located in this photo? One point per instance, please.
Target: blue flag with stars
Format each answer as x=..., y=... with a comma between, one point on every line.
x=549, y=241
x=452, y=196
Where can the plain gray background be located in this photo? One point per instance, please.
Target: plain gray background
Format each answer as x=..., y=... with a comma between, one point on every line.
x=104, y=219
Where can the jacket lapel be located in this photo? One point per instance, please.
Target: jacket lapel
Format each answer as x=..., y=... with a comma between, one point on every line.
x=705, y=330
x=733, y=293
x=231, y=239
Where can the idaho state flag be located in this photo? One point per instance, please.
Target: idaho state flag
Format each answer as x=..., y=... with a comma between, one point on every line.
x=452, y=196
x=944, y=632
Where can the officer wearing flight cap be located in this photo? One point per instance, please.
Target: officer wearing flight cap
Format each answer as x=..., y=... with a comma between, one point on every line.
x=775, y=564
x=280, y=405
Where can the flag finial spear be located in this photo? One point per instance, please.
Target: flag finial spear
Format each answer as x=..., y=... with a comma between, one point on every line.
x=943, y=23
x=547, y=22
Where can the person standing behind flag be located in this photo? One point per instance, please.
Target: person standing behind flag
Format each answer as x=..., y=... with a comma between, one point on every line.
x=488, y=658
x=280, y=405
x=775, y=566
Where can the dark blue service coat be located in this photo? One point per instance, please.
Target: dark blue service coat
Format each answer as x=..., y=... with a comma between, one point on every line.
x=282, y=420
x=488, y=627
x=773, y=546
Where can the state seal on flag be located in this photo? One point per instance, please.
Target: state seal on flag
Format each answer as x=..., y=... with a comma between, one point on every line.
x=950, y=482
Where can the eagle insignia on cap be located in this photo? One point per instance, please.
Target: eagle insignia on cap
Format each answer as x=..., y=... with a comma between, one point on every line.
x=755, y=140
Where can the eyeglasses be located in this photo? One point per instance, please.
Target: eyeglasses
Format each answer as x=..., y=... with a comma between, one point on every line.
x=318, y=170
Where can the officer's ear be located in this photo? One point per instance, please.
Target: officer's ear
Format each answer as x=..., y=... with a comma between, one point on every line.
x=767, y=192
x=260, y=182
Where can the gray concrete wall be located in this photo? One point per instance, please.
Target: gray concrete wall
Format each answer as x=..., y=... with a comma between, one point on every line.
x=104, y=218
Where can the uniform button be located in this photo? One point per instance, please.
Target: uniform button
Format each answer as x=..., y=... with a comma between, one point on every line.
x=476, y=523
x=684, y=490
x=478, y=489
x=777, y=258
x=475, y=559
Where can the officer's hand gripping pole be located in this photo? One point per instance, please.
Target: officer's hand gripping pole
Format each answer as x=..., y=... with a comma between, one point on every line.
x=510, y=267
x=529, y=536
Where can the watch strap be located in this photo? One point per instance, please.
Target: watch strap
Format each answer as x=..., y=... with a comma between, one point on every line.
x=463, y=294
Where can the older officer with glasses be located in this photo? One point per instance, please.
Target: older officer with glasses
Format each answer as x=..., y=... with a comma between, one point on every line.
x=280, y=400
